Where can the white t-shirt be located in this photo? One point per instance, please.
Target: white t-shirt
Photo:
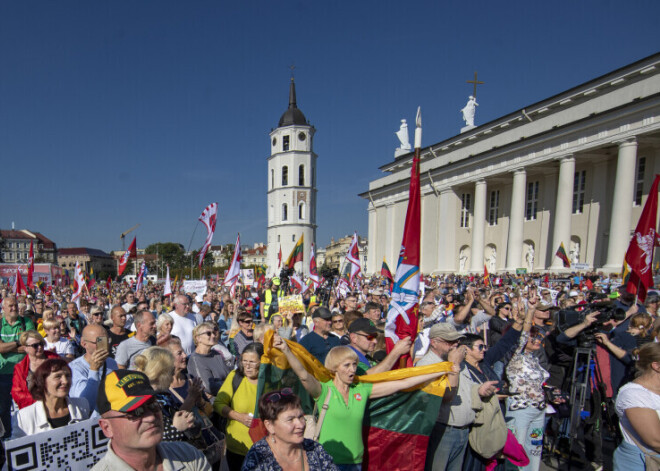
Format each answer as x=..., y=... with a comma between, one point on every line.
x=62, y=347
x=182, y=328
x=630, y=396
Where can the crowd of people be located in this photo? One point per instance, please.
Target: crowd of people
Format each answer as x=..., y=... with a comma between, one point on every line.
x=168, y=376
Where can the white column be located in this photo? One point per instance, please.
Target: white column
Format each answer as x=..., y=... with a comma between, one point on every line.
x=371, y=249
x=447, y=237
x=624, y=187
x=563, y=210
x=516, y=220
x=478, y=227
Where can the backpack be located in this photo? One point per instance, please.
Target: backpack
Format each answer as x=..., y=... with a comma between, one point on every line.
x=489, y=432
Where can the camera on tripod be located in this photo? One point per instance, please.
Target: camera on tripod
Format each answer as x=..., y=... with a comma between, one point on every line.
x=323, y=292
x=285, y=273
x=607, y=310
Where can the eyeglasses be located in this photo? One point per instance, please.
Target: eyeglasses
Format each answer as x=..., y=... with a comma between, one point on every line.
x=244, y=321
x=210, y=333
x=277, y=395
x=35, y=345
x=250, y=363
x=481, y=347
x=140, y=412
x=338, y=321
x=367, y=336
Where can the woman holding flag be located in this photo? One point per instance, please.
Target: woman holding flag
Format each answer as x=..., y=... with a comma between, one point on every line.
x=341, y=432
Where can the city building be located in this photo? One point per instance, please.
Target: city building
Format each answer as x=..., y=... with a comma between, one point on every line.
x=572, y=169
x=291, y=186
x=255, y=255
x=98, y=260
x=15, y=246
x=335, y=252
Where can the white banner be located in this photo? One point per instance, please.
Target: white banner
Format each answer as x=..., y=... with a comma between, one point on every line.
x=247, y=275
x=74, y=447
x=194, y=286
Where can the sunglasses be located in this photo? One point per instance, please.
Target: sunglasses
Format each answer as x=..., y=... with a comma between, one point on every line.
x=338, y=321
x=245, y=321
x=275, y=396
x=140, y=412
x=35, y=345
x=367, y=336
x=210, y=332
x=481, y=347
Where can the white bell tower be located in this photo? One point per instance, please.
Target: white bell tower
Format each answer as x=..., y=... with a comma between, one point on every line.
x=291, y=186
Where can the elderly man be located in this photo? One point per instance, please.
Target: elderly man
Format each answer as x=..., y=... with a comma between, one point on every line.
x=86, y=371
x=145, y=337
x=11, y=352
x=372, y=312
x=350, y=303
x=184, y=323
x=319, y=342
x=74, y=321
x=133, y=421
x=364, y=337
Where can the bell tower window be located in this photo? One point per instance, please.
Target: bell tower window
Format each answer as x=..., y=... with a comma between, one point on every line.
x=301, y=175
x=285, y=143
x=285, y=211
x=285, y=175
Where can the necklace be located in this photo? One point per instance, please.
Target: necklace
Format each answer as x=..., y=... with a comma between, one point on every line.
x=285, y=459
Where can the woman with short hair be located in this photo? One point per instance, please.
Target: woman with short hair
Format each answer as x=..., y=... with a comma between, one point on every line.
x=285, y=446
x=206, y=363
x=164, y=326
x=55, y=342
x=35, y=348
x=341, y=432
x=245, y=334
x=53, y=407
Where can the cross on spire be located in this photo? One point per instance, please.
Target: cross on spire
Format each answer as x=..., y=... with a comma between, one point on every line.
x=475, y=82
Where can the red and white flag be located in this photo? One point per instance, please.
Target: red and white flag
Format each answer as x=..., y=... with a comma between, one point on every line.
x=30, y=271
x=313, y=272
x=123, y=262
x=208, y=218
x=167, y=291
x=353, y=257
x=298, y=283
x=140, y=278
x=639, y=256
x=79, y=284
x=234, y=271
x=19, y=286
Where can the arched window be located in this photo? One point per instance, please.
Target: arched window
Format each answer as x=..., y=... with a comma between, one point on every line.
x=301, y=175
x=285, y=211
x=285, y=175
x=301, y=211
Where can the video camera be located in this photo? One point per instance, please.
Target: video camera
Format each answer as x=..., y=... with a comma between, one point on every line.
x=329, y=276
x=285, y=273
x=608, y=311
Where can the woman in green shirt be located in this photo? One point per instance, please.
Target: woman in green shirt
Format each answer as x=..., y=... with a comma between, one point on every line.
x=341, y=432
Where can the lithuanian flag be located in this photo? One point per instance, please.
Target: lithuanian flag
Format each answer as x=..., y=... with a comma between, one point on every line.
x=561, y=253
x=296, y=253
x=396, y=428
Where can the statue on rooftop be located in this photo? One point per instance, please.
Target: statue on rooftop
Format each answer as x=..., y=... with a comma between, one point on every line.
x=469, y=111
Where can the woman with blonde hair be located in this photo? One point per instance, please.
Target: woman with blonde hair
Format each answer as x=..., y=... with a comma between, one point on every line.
x=341, y=433
x=24, y=371
x=164, y=326
x=206, y=363
x=55, y=342
x=157, y=363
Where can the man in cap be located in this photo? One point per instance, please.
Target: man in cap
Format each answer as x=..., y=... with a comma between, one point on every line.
x=269, y=300
x=319, y=342
x=364, y=337
x=133, y=421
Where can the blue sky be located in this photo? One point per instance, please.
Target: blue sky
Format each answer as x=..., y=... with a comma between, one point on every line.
x=118, y=113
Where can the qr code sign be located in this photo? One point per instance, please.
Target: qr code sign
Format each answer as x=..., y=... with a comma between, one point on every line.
x=76, y=447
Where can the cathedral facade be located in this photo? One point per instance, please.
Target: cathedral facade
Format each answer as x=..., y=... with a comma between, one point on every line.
x=291, y=186
x=573, y=169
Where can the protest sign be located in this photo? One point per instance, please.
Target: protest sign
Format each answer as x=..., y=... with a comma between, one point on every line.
x=194, y=286
x=291, y=304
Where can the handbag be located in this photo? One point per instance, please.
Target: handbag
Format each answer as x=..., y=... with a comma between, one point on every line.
x=314, y=424
x=488, y=433
x=651, y=460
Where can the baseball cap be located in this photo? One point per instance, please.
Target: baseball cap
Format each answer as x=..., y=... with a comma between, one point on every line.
x=322, y=312
x=123, y=391
x=276, y=281
x=362, y=325
x=445, y=331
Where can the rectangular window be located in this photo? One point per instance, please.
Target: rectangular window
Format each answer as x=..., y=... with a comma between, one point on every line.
x=494, y=207
x=285, y=143
x=639, y=180
x=465, y=209
x=532, y=201
x=578, y=191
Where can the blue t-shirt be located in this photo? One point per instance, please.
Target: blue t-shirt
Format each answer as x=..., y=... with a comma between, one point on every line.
x=318, y=346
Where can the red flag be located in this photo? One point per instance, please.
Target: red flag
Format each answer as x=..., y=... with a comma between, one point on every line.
x=590, y=284
x=313, y=273
x=19, y=286
x=639, y=256
x=208, y=218
x=30, y=273
x=108, y=284
x=353, y=258
x=546, y=279
x=128, y=254
x=402, y=315
x=279, y=258
x=486, y=275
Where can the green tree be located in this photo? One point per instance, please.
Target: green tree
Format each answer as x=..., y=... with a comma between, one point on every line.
x=169, y=253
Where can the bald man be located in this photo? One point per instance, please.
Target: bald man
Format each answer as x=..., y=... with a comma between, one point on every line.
x=87, y=370
x=184, y=323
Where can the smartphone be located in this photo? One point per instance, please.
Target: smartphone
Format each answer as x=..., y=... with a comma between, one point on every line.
x=102, y=343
